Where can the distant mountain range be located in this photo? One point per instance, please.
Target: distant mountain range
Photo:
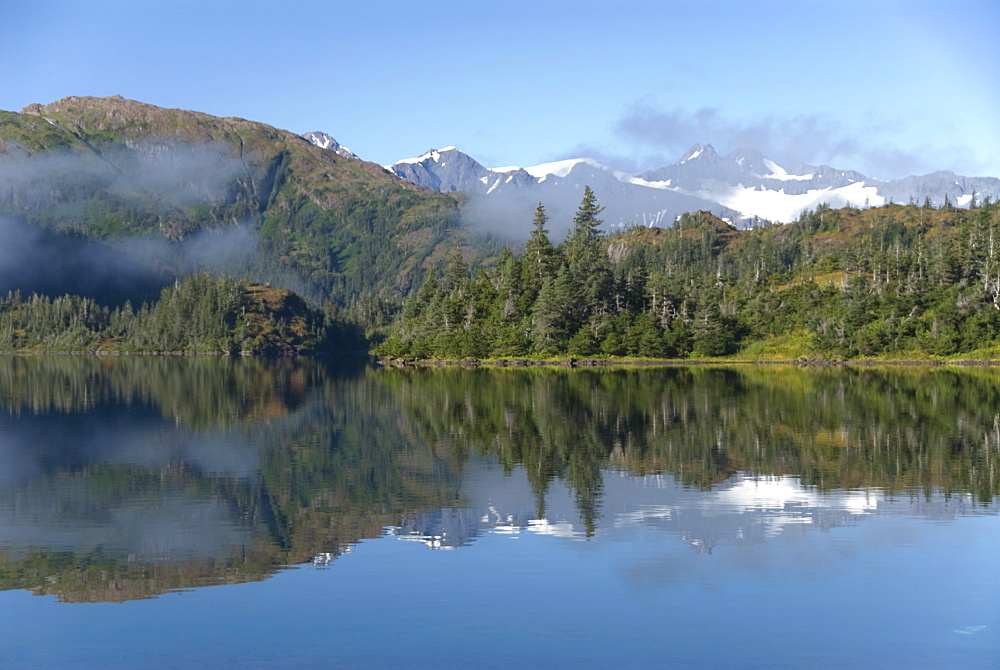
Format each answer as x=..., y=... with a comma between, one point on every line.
x=129, y=195
x=742, y=187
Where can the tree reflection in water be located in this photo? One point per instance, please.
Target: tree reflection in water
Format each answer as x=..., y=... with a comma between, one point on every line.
x=126, y=477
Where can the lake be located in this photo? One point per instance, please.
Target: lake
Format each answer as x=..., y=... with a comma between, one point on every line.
x=174, y=512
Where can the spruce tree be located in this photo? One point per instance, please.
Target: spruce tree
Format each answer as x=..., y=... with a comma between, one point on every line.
x=540, y=257
x=586, y=224
x=551, y=323
x=589, y=271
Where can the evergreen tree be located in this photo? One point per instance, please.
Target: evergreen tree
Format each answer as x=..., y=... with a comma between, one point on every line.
x=508, y=314
x=713, y=334
x=540, y=257
x=551, y=320
x=589, y=272
x=586, y=227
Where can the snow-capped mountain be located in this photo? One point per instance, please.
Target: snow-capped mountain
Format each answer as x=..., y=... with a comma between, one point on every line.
x=324, y=141
x=755, y=186
x=449, y=169
x=504, y=199
x=741, y=187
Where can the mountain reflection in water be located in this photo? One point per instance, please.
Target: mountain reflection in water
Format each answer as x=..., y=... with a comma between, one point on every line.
x=126, y=477
x=745, y=509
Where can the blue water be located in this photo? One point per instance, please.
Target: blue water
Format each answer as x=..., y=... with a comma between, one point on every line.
x=251, y=514
x=883, y=589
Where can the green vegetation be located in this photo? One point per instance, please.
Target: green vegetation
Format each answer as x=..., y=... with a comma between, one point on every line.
x=202, y=314
x=894, y=281
x=298, y=457
x=321, y=462
x=343, y=233
x=90, y=176
x=909, y=428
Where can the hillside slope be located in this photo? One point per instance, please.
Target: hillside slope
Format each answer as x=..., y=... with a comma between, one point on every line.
x=899, y=281
x=181, y=191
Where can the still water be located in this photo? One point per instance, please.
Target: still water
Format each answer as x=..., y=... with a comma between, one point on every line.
x=165, y=512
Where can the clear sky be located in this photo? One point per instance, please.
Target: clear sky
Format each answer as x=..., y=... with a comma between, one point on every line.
x=889, y=88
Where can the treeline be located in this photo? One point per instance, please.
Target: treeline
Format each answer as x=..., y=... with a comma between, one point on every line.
x=203, y=313
x=905, y=281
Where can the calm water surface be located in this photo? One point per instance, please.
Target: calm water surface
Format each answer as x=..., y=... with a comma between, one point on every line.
x=188, y=512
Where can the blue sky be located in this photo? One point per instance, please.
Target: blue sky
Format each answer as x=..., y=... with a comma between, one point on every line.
x=887, y=88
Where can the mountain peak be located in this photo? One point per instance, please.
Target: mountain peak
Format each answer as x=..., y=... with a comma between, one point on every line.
x=744, y=185
x=324, y=141
x=699, y=150
x=433, y=155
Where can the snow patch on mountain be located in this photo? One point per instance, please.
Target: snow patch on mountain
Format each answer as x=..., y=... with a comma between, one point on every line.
x=433, y=155
x=780, y=206
x=781, y=174
x=697, y=151
x=560, y=168
x=664, y=185
x=324, y=141
x=742, y=188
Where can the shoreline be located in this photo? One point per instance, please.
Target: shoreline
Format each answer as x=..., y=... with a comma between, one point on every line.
x=570, y=362
x=565, y=362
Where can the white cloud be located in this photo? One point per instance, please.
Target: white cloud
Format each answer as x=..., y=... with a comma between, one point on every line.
x=872, y=149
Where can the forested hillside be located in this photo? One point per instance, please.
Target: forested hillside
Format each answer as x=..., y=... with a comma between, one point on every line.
x=903, y=281
x=112, y=200
x=202, y=314
x=175, y=192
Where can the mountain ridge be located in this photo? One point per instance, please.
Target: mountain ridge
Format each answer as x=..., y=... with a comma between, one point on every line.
x=179, y=190
x=742, y=187
x=311, y=215
x=324, y=141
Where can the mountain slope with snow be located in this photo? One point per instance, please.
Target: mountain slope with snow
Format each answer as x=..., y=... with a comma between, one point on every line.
x=324, y=141
x=504, y=199
x=741, y=187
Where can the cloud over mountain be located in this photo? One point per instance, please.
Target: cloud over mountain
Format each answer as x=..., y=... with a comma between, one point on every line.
x=742, y=187
x=811, y=138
